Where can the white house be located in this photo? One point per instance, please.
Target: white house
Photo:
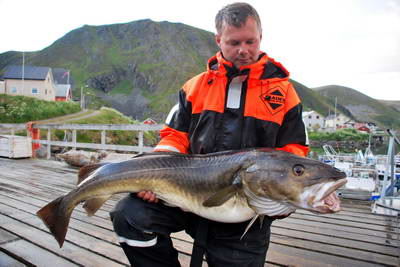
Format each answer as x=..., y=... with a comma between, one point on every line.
x=2, y=87
x=337, y=121
x=313, y=120
x=30, y=81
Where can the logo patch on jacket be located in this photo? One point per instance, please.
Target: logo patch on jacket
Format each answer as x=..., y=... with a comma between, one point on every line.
x=274, y=99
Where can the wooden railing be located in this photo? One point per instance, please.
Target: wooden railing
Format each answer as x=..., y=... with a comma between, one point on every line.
x=140, y=128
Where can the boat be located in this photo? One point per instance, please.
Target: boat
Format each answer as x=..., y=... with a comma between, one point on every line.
x=362, y=176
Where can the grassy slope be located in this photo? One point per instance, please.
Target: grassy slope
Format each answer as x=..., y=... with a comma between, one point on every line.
x=20, y=109
x=362, y=106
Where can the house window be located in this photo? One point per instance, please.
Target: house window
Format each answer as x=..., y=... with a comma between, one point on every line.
x=46, y=91
x=14, y=90
x=309, y=116
x=34, y=91
x=317, y=117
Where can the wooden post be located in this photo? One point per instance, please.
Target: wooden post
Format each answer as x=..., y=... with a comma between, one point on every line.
x=140, y=141
x=103, y=137
x=74, y=139
x=48, y=143
x=34, y=133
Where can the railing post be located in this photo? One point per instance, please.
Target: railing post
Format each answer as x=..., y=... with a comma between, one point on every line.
x=34, y=133
x=140, y=141
x=74, y=139
x=103, y=137
x=48, y=143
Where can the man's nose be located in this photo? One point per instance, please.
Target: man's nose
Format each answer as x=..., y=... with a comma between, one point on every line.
x=242, y=50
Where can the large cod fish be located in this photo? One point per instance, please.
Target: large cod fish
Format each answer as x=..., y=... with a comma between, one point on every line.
x=229, y=187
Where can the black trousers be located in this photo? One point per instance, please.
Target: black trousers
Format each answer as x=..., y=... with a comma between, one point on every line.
x=144, y=232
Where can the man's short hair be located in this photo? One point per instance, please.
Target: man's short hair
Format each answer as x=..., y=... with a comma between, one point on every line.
x=236, y=15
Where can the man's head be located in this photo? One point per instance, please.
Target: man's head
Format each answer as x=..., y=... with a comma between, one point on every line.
x=239, y=33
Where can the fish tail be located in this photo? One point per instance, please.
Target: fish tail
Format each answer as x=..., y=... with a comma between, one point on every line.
x=56, y=219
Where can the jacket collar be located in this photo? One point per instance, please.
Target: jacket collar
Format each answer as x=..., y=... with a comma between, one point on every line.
x=264, y=68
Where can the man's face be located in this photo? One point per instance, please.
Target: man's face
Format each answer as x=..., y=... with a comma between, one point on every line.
x=241, y=46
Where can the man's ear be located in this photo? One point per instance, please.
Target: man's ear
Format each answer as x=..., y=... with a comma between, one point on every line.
x=218, y=40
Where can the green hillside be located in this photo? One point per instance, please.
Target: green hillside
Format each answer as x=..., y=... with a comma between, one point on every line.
x=135, y=67
x=361, y=106
x=313, y=101
x=20, y=109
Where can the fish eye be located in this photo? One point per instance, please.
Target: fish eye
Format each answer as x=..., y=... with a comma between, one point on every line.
x=298, y=169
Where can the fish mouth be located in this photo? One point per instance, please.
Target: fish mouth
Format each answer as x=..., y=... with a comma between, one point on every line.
x=323, y=198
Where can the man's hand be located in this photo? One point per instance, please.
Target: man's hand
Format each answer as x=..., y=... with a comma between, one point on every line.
x=148, y=196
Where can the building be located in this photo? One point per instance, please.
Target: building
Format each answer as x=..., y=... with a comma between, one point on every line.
x=149, y=121
x=30, y=81
x=2, y=87
x=337, y=121
x=313, y=120
x=63, y=92
x=63, y=84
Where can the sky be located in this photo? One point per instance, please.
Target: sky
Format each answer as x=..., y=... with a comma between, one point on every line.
x=353, y=43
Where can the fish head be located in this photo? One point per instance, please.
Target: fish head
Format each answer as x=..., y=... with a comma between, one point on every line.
x=297, y=181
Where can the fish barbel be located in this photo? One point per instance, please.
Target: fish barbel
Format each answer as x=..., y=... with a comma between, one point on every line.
x=233, y=186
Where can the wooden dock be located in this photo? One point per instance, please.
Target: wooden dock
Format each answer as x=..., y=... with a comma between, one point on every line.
x=353, y=237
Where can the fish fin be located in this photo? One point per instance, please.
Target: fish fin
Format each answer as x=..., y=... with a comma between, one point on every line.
x=222, y=196
x=86, y=171
x=93, y=204
x=55, y=219
x=249, y=225
x=158, y=153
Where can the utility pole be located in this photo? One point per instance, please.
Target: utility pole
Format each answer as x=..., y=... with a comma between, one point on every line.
x=23, y=73
x=82, y=100
x=334, y=124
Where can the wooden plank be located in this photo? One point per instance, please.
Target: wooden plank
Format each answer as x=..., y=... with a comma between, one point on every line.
x=35, y=255
x=342, y=229
x=337, y=241
x=90, y=229
x=359, y=235
x=8, y=261
x=72, y=252
x=351, y=216
x=339, y=252
x=387, y=223
x=300, y=257
x=6, y=237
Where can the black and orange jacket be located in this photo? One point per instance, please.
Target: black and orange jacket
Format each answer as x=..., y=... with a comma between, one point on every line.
x=268, y=112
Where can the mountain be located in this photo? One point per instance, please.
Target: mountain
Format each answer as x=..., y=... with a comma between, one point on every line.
x=392, y=103
x=136, y=67
x=363, y=107
x=312, y=100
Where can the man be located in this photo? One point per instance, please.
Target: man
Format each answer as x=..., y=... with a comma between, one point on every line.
x=243, y=100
